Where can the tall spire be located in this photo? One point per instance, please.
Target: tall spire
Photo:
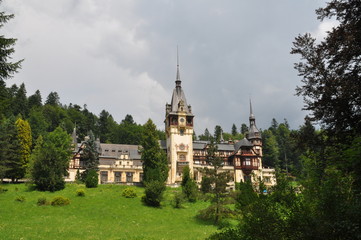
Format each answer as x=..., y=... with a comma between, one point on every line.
x=178, y=81
x=251, y=115
x=253, y=131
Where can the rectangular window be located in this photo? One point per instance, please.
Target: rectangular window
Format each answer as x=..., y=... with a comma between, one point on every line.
x=141, y=177
x=117, y=176
x=247, y=162
x=129, y=177
x=104, y=176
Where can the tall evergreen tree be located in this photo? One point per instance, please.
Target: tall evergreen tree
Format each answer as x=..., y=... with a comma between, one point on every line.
x=217, y=133
x=234, y=130
x=155, y=166
x=25, y=141
x=35, y=100
x=218, y=180
x=20, y=102
x=9, y=150
x=90, y=158
x=53, y=99
x=244, y=128
x=7, y=68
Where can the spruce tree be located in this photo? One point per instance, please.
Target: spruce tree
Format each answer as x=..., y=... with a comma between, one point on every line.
x=218, y=180
x=10, y=154
x=155, y=166
x=7, y=68
x=90, y=158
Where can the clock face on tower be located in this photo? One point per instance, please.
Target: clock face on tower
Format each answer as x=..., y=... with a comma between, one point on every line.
x=182, y=120
x=181, y=146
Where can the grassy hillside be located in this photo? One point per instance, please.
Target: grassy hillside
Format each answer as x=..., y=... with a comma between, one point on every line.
x=102, y=214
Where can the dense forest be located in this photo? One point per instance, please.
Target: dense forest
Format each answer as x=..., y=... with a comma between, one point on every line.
x=325, y=163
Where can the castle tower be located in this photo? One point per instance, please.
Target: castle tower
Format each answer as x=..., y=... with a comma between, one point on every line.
x=254, y=135
x=179, y=132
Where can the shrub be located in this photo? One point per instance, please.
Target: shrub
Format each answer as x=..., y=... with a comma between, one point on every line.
x=129, y=193
x=60, y=201
x=153, y=193
x=80, y=192
x=91, y=179
x=190, y=190
x=2, y=190
x=20, y=199
x=178, y=200
x=42, y=201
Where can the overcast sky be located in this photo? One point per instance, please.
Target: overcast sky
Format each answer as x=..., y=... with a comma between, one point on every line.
x=121, y=56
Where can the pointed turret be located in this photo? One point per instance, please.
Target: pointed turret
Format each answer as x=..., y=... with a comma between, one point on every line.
x=179, y=102
x=253, y=132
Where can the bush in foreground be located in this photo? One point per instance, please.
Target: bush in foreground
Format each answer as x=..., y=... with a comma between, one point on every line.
x=80, y=192
x=153, y=193
x=42, y=201
x=60, y=201
x=20, y=199
x=91, y=179
x=129, y=193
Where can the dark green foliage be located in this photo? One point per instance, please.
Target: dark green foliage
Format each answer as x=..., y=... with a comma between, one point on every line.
x=155, y=165
x=80, y=192
x=35, y=100
x=206, y=136
x=234, y=130
x=53, y=99
x=178, y=200
x=91, y=178
x=7, y=68
x=10, y=154
x=20, y=199
x=244, y=128
x=217, y=133
x=51, y=161
x=129, y=193
x=330, y=69
x=219, y=179
x=189, y=186
x=60, y=201
x=206, y=186
x=42, y=201
x=153, y=193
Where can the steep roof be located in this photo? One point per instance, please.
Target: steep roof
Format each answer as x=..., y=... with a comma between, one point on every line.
x=178, y=96
x=243, y=143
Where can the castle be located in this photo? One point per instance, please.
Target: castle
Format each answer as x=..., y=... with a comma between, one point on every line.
x=121, y=163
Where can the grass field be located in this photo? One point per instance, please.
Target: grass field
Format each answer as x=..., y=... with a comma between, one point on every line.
x=102, y=214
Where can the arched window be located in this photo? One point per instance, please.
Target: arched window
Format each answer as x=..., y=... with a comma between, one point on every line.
x=182, y=157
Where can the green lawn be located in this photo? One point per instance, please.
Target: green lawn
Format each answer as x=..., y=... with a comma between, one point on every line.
x=102, y=214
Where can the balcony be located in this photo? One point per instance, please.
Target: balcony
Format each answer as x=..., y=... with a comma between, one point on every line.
x=247, y=167
x=182, y=163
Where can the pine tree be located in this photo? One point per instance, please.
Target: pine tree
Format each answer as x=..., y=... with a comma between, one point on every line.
x=155, y=166
x=234, y=130
x=35, y=100
x=9, y=150
x=189, y=186
x=20, y=102
x=90, y=158
x=218, y=180
x=7, y=68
